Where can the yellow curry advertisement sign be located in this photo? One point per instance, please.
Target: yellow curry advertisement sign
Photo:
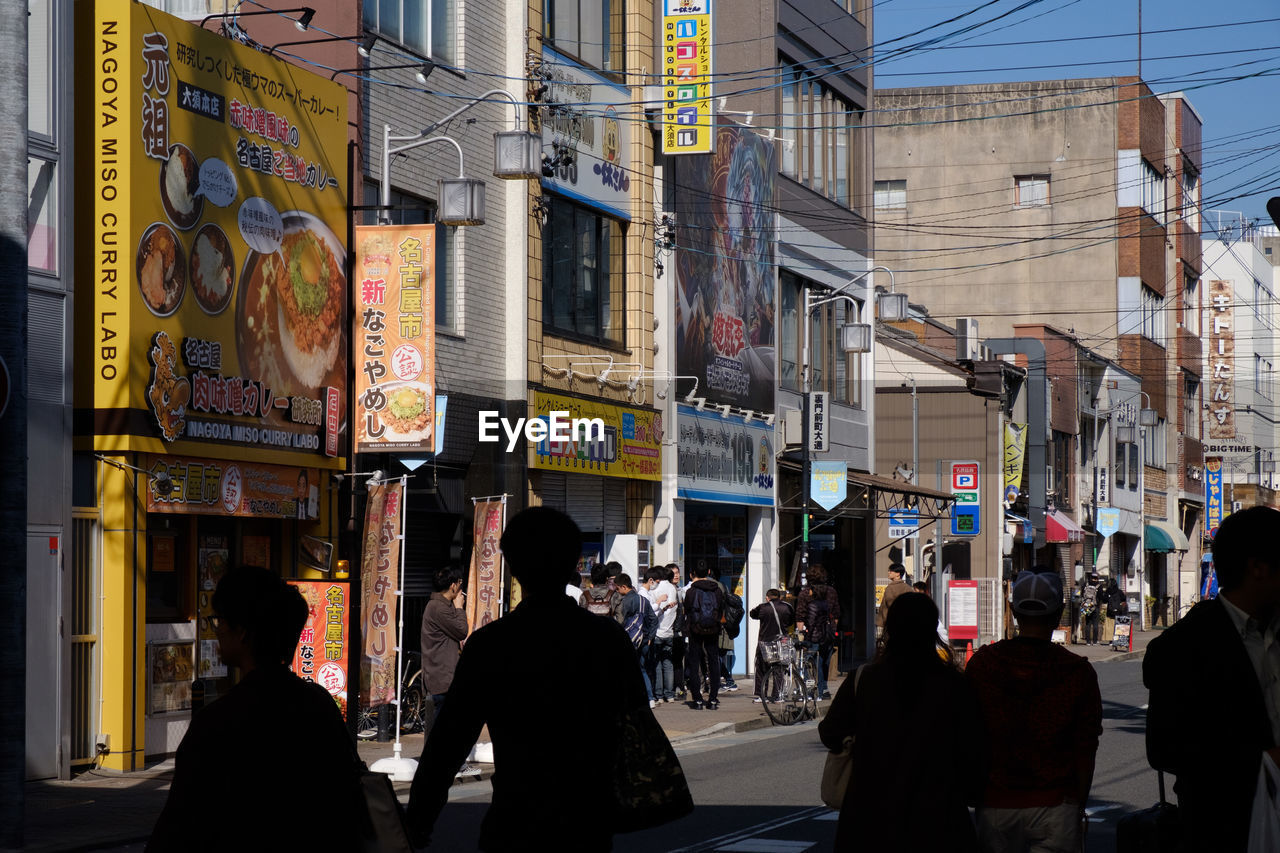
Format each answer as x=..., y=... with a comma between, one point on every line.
x=626, y=443
x=217, y=247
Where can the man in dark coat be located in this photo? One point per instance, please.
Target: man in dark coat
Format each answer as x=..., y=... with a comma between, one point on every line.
x=540, y=791
x=1214, y=682
x=444, y=627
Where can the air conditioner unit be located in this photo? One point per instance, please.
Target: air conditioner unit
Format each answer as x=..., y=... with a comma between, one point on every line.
x=966, y=339
x=1049, y=485
x=792, y=428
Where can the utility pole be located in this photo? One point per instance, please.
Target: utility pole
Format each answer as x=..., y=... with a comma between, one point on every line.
x=13, y=421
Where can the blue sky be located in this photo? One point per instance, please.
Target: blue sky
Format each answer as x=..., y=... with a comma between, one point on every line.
x=1241, y=116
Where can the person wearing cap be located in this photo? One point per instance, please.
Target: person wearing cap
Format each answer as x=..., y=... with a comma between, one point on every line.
x=1218, y=669
x=1042, y=716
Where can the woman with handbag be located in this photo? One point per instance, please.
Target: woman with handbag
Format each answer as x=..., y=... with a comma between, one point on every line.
x=907, y=689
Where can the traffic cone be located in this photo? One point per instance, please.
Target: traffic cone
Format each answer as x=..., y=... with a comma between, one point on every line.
x=968, y=651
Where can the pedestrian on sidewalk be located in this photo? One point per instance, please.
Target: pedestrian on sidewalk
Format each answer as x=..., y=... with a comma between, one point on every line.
x=640, y=623
x=903, y=690
x=220, y=798
x=663, y=595
x=817, y=615
x=1038, y=775
x=897, y=586
x=601, y=598
x=775, y=617
x=1090, y=608
x=704, y=612
x=502, y=670
x=444, y=627
x=679, y=633
x=1219, y=666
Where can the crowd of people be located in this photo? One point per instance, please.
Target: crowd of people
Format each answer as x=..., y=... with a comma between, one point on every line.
x=1018, y=780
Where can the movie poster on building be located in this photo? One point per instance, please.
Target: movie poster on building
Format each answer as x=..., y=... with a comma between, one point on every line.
x=321, y=656
x=217, y=231
x=1222, y=361
x=394, y=333
x=379, y=580
x=484, y=578
x=725, y=325
x=687, y=123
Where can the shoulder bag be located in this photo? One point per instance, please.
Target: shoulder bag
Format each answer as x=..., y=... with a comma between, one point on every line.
x=1153, y=830
x=385, y=830
x=838, y=770
x=649, y=788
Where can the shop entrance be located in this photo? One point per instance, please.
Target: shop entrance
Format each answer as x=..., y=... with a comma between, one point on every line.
x=715, y=535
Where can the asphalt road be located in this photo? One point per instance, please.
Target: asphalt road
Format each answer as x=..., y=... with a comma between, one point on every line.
x=758, y=792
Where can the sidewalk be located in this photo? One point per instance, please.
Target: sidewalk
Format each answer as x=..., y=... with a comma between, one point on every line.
x=1103, y=654
x=98, y=810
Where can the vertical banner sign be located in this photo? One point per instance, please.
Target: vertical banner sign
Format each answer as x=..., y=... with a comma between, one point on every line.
x=1015, y=453
x=378, y=567
x=966, y=514
x=322, y=649
x=395, y=337
x=484, y=581
x=1222, y=361
x=1212, y=495
x=962, y=610
x=686, y=77
x=818, y=439
x=828, y=483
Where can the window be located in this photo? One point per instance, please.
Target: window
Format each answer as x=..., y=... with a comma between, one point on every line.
x=1132, y=450
x=582, y=273
x=593, y=31
x=890, y=194
x=411, y=210
x=1120, y=465
x=1153, y=445
x=1262, y=302
x=427, y=27
x=1262, y=376
x=1191, y=304
x=1190, y=198
x=40, y=71
x=1153, y=191
x=189, y=9
x=42, y=215
x=818, y=130
x=1152, y=316
x=1191, y=407
x=831, y=369
x=1031, y=190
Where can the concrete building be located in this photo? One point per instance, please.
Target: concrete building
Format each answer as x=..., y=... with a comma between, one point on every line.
x=1049, y=202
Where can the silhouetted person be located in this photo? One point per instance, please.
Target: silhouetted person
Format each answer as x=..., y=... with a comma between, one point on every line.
x=906, y=689
x=257, y=759
x=545, y=790
x=1214, y=704
x=1039, y=774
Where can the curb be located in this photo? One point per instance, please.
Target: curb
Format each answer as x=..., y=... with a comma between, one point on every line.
x=728, y=728
x=1138, y=655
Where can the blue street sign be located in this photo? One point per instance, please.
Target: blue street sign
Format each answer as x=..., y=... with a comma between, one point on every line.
x=966, y=520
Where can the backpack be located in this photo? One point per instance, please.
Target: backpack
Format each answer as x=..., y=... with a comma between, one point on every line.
x=641, y=624
x=650, y=620
x=1089, y=599
x=733, y=612
x=703, y=612
x=678, y=624
x=601, y=601
x=821, y=628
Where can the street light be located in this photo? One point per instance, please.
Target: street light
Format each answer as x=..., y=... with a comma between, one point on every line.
x=854, y=337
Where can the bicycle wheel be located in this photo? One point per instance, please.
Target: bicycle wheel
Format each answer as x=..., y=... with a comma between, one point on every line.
x=808, y=691
x=367, y=723
x=780, y=696
x=412, y=708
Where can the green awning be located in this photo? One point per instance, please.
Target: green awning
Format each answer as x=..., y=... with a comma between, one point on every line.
x=1162, y=537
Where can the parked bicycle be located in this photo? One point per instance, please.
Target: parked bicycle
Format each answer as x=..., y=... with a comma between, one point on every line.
x=790, y=686
x=414, y=702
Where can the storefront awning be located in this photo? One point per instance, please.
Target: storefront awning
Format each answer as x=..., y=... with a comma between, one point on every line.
x=1059, y=527
x=1162, y=537
x=885, y=493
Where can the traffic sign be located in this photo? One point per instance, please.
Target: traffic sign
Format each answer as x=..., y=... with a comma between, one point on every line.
x=903, y=523
x=966, y=512
x=966, y=520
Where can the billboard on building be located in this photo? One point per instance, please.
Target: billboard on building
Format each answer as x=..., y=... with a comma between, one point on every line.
x=725, y=326
x=627, y=442
x=394, y=331
x=182, y=485
x=687, y=123
x=1222, y=361
x=724, y=459
x=215, y=243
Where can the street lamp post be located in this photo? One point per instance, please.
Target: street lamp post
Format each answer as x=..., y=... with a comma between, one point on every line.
x=854, y=337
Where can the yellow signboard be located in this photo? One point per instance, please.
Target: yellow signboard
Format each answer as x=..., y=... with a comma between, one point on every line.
x=216, y=248
x=623, y=442
x=395, y=338
x=686, y=77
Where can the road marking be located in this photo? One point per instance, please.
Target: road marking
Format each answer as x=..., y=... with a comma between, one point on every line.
x=766, y=845
x=752, y=831
x=829, y=816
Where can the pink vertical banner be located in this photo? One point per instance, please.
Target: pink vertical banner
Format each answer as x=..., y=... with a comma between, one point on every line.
x=379, y=570
x=484, y=580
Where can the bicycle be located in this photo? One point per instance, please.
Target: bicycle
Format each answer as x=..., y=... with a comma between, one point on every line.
x=413, y=702
x=790, y=687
